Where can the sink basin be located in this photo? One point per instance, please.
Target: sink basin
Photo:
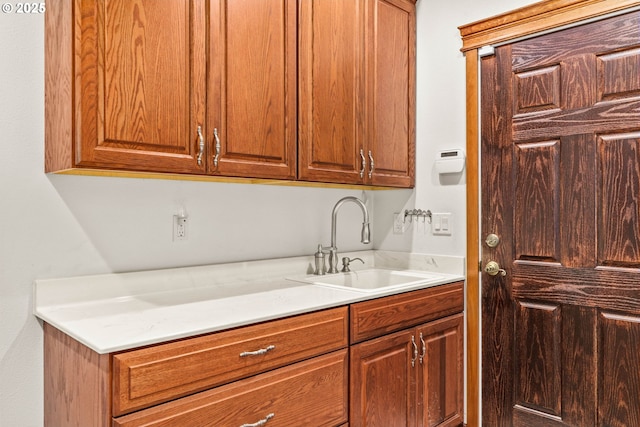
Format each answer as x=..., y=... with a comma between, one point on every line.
x=373, y=279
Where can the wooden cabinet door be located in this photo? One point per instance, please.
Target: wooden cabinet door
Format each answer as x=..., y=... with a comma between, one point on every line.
x=140, y=84
x=441, y=372
x=383, y=381
x=252, y=106
x=390, y=130
x=357, y=92
x=331, y=93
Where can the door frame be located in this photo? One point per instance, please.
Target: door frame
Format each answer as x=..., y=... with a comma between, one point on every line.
x=544, y=16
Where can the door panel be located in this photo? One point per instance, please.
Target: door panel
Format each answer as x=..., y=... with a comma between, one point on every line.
x=252, y=88
x=618, y=201
x=619, y=372
x=537, y=380
x=383, y=382
x=441, y=373
x=129, y=115
x=561, y=187
x=390, y=50
x=331, y=91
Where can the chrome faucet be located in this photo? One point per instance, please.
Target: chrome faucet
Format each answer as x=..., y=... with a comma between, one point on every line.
x=364, y=236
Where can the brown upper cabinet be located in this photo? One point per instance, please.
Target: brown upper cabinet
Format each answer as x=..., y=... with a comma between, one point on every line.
x=357, y=92
x=212, y=88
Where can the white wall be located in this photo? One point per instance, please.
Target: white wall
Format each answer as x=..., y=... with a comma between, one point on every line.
x=58, y=226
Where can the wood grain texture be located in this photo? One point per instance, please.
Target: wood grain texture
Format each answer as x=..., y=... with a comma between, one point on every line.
x=144, y=106
x=313, y=392
x=561, y=186
x=160, y=373
x=538, y=356
x=58, y=86
x=383, y=382
x=390, y=52
x=441, y=373
x=127, y=115
x=579, y=359
x=497, y=308
x=331, y=79
x=383, y=315
x=518, y=23
x=357, y=92
x=619, y=200
x=472, y=287
x=535, y=18
x=77, y=380
x=618, y=373
x=252, y=88
x=536, y=207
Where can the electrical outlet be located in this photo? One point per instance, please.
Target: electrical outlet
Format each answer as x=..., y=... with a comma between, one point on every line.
x=179, y=227
x=398, y=223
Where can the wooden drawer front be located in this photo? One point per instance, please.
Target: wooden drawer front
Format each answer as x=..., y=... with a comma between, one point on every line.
x=309, y=393
x=380, y=316
x=156, y=374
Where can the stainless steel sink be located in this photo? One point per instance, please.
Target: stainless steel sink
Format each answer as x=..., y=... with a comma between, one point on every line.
x=373, y=279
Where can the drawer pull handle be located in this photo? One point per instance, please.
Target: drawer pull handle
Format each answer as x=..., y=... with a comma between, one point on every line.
x=257, y=352
x=261, y=422
x=424, y=348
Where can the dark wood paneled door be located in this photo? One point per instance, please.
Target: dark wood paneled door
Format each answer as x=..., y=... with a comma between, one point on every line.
x=561, y=189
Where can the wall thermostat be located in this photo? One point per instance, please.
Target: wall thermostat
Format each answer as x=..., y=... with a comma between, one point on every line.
x=450, y=161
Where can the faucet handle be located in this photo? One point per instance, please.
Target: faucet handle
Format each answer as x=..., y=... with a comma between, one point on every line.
x=346, y=261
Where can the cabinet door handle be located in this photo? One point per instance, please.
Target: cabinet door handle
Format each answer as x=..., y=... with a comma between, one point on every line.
x=424, y=349
x=415, y=351
x=261, y=422
x=364, y=163
x=216, y=158
x=371, y=164
x=258, y=352
x=200, y=145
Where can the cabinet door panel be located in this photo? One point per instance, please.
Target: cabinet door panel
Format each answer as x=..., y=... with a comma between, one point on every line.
x=441, y=374
x=140, y=90
x=391, y=88
x=331, y=90
x=383, y=382
x=252, y=93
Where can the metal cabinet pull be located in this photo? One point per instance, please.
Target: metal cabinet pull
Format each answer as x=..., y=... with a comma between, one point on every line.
x=258, y=352
x=216, y=158
x=261, y=422
x=424, y=349
x=364, y=163
x=371, y=164
x=415, y=351
x=200, y=145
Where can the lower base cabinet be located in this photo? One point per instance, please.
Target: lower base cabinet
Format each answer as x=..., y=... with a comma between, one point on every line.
x=407, y=359
x=394, y=361
x=411, y=378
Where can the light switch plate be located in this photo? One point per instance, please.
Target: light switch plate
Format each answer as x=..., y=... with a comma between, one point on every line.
x=441, y=224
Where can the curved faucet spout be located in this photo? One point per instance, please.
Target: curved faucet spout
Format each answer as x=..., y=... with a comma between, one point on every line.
x=365, y=235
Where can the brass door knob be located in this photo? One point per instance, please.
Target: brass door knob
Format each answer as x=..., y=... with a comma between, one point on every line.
x=493, y=269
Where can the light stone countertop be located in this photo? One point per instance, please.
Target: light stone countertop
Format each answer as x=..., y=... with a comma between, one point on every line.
x=114, y=312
